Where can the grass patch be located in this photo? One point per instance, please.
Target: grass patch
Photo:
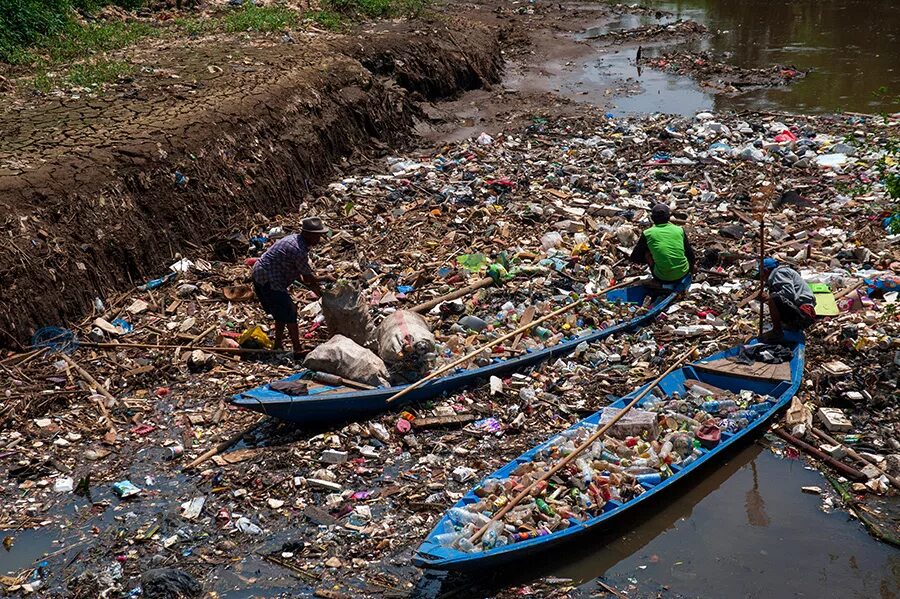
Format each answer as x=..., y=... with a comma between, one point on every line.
x=27, y=26
x=89, y=75
x=327, y=19
x=377, y=8
x=93, y=75
x=79, y=41
x=260, y=18
x=246, y=18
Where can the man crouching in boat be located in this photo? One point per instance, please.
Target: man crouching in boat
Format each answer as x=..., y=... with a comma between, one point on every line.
x=791, y=302
x=665, y=248
x=277, y=269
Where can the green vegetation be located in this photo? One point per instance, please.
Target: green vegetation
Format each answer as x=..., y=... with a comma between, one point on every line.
x=29, y=26
x=327, y=19
x=78, y=41
x=88, y=75
x=259, y=18
x=246, y=18
x=376, y=8
x=44, y=36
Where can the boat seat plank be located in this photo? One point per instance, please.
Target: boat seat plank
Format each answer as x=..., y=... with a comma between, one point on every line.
x=688, y=383
x=758, y=370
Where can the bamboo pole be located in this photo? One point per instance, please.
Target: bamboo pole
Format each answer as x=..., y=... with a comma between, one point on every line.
x=852, y=453
x=426, y=306
x=92, y=382
x=219, y=448
x=841, y=467
x=500, y=340
x=213, y=349
x=762, y=274
x=590, y=440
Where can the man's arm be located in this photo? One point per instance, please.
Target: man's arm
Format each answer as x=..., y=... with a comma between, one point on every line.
x=640, y=251
x=312, y=283
x=689, y=253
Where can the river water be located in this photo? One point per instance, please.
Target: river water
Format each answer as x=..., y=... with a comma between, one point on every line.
x=851, y=46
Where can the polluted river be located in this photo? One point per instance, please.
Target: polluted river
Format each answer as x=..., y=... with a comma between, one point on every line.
x=543, y=180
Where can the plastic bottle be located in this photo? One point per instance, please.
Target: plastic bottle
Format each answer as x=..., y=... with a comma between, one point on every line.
x=666, y=450
x=760, y=408
x=714, y=406
x=543, y=332
x=648, y=480
x=544, y=507
x=448, y=539
x=691, y=458
x=463, y=516
x=586, y=473
x=493, y=537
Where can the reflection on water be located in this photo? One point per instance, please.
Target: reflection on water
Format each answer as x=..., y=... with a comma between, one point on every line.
x=754, y=502
x=852, y=46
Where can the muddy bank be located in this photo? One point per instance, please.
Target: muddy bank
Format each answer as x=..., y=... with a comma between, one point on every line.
x=97, y=194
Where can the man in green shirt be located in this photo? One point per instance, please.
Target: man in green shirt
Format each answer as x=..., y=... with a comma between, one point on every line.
x=664, y=247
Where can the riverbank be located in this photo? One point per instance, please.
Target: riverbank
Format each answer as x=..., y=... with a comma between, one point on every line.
x=100, y=188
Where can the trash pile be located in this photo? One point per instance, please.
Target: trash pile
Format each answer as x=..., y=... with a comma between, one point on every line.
x=720, y=75
x=99, y=419
x=680, y=28
x=636, y=454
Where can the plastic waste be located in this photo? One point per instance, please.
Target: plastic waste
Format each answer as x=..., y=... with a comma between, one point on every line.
x=244, y=525
x=342, y=357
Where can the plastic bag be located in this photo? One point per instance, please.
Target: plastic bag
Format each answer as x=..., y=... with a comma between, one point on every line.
x=346, y=313
x=551, y=240
x=405, y=338
x=343, y=357
x=255, y=338
x=473, y=262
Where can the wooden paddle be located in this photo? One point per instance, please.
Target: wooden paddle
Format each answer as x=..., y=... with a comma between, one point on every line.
x=590, y=440
x=500, y=340
x=527, y=317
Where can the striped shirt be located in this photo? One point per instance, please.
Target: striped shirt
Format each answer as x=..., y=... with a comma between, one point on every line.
x=283, y=263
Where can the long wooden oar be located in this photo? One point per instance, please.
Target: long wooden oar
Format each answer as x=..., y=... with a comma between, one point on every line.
x=500, y=340
x=590, y=440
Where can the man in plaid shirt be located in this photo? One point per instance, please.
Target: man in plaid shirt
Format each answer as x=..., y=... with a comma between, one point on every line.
x=277, y=269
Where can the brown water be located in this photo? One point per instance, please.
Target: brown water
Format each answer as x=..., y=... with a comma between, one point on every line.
x=747, y=530
x=852, y=47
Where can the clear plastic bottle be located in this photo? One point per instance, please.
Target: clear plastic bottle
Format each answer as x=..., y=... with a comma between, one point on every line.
x=463, y=516
x=494, y=536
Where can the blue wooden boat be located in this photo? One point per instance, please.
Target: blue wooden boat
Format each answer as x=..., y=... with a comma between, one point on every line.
x=340, y=404
x=780, y=382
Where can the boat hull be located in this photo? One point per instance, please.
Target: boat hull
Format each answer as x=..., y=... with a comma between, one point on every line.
x=433, y=556
x=358, y=405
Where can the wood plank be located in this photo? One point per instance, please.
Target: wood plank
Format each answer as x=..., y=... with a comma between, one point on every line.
x=766, y=372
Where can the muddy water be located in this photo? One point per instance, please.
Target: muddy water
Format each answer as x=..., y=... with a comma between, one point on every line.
x=746, y=530
x=852, y=47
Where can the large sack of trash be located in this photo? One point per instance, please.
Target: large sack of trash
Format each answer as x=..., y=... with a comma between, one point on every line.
x=347, y=314
x=402, y=334
x=343, y=357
